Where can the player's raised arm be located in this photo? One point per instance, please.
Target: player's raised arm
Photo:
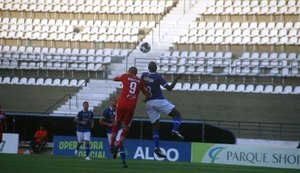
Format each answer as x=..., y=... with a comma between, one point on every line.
x=170, y=87
x=117, y=78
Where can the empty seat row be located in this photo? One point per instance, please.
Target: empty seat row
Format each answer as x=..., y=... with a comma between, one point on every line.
x=152, y=3
x=52, y=66
x=243, y=88
x=52, y=58
x=29, y=23
x=196, y=54
x=211, y=10
x=21, y=30
x=268, y=71
x=255, y=3
x=69, y=37
x=243, y=32
x=244, y=25
x=88, y=8
x=237, y=40
x=42, y=81
x=194, y=62
x=227, y=70
x=280, y=63
x=270, y=55
x=63, y=51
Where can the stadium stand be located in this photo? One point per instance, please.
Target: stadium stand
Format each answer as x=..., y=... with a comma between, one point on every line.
x=235, y=47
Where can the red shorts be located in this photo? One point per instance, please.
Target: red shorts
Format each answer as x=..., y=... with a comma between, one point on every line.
x=125, y=113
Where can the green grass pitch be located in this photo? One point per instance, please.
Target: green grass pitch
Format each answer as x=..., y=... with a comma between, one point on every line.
x=13, y=163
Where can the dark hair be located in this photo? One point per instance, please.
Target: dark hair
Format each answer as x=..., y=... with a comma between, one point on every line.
x=152, y=67
x=132, y=70
x=113, y=98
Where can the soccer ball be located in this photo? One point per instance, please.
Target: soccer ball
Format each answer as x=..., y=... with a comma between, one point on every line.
x=145, y=47
x=76, y=30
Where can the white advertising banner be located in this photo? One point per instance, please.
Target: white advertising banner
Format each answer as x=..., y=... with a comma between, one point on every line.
x=252, y=156
x=10, y=143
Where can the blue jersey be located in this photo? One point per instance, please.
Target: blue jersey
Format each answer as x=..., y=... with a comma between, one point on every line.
x=84, y=116
x=109, y=116
x=153, y=82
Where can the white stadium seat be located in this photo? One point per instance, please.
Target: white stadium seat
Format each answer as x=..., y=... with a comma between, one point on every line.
x=222, y=87
x=195, y=87
x=73, y=82
x=287, y=90
x=31, y=81
x=259, y=89
x=278, y=89
x=203, y=87
x=240, y=88
x=296, y=90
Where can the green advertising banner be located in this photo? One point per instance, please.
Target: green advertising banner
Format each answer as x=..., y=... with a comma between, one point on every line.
x=246, y=155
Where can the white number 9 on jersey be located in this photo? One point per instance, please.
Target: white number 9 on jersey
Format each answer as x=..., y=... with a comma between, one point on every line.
x=132, y=87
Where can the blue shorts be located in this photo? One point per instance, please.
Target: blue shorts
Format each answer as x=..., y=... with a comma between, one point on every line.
x=157, y=106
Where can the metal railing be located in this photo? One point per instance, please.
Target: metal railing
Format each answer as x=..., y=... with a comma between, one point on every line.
x=240, y=129
x=244, y=129
x=59, y=102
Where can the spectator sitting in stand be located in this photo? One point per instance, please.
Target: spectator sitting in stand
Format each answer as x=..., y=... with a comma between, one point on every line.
x=39, y=140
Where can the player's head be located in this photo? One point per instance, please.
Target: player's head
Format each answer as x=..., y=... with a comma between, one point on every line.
x=152, y=67
x=85, y=105
x=132, y=70
x=42, y=127
x=113, y=102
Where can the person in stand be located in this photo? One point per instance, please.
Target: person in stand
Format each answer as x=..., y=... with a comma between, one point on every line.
x=127, y=101
x=157, y=104
x=3, y=125
x=39, y=140
x=106, y=120
x=85, y=123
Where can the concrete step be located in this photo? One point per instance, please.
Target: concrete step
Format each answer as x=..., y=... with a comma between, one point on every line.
x=95, y=93
x=79, y=101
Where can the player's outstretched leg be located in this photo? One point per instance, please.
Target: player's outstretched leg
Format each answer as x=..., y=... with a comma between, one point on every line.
x=114, y=151
x=77, y=148
x=177, y=135
x=159, y=153
x=155, y=136
x=87, y=150
x=176, y=124
x=123, y=157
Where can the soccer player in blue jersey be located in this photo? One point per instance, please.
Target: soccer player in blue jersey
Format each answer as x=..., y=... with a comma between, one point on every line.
x=157, y=104
x=85, y=123
x=107, y=120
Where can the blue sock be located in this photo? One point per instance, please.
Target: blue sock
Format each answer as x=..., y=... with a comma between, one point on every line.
x=87, y=149
x=155, y=134
x=176, y=123
x=122, y=153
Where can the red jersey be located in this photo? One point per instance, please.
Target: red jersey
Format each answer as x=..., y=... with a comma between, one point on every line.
x=40, y=136
x=131, y=88
x=2, y=120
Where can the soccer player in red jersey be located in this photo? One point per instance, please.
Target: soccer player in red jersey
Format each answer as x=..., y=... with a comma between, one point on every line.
x=2, y=122
x=127, y=101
